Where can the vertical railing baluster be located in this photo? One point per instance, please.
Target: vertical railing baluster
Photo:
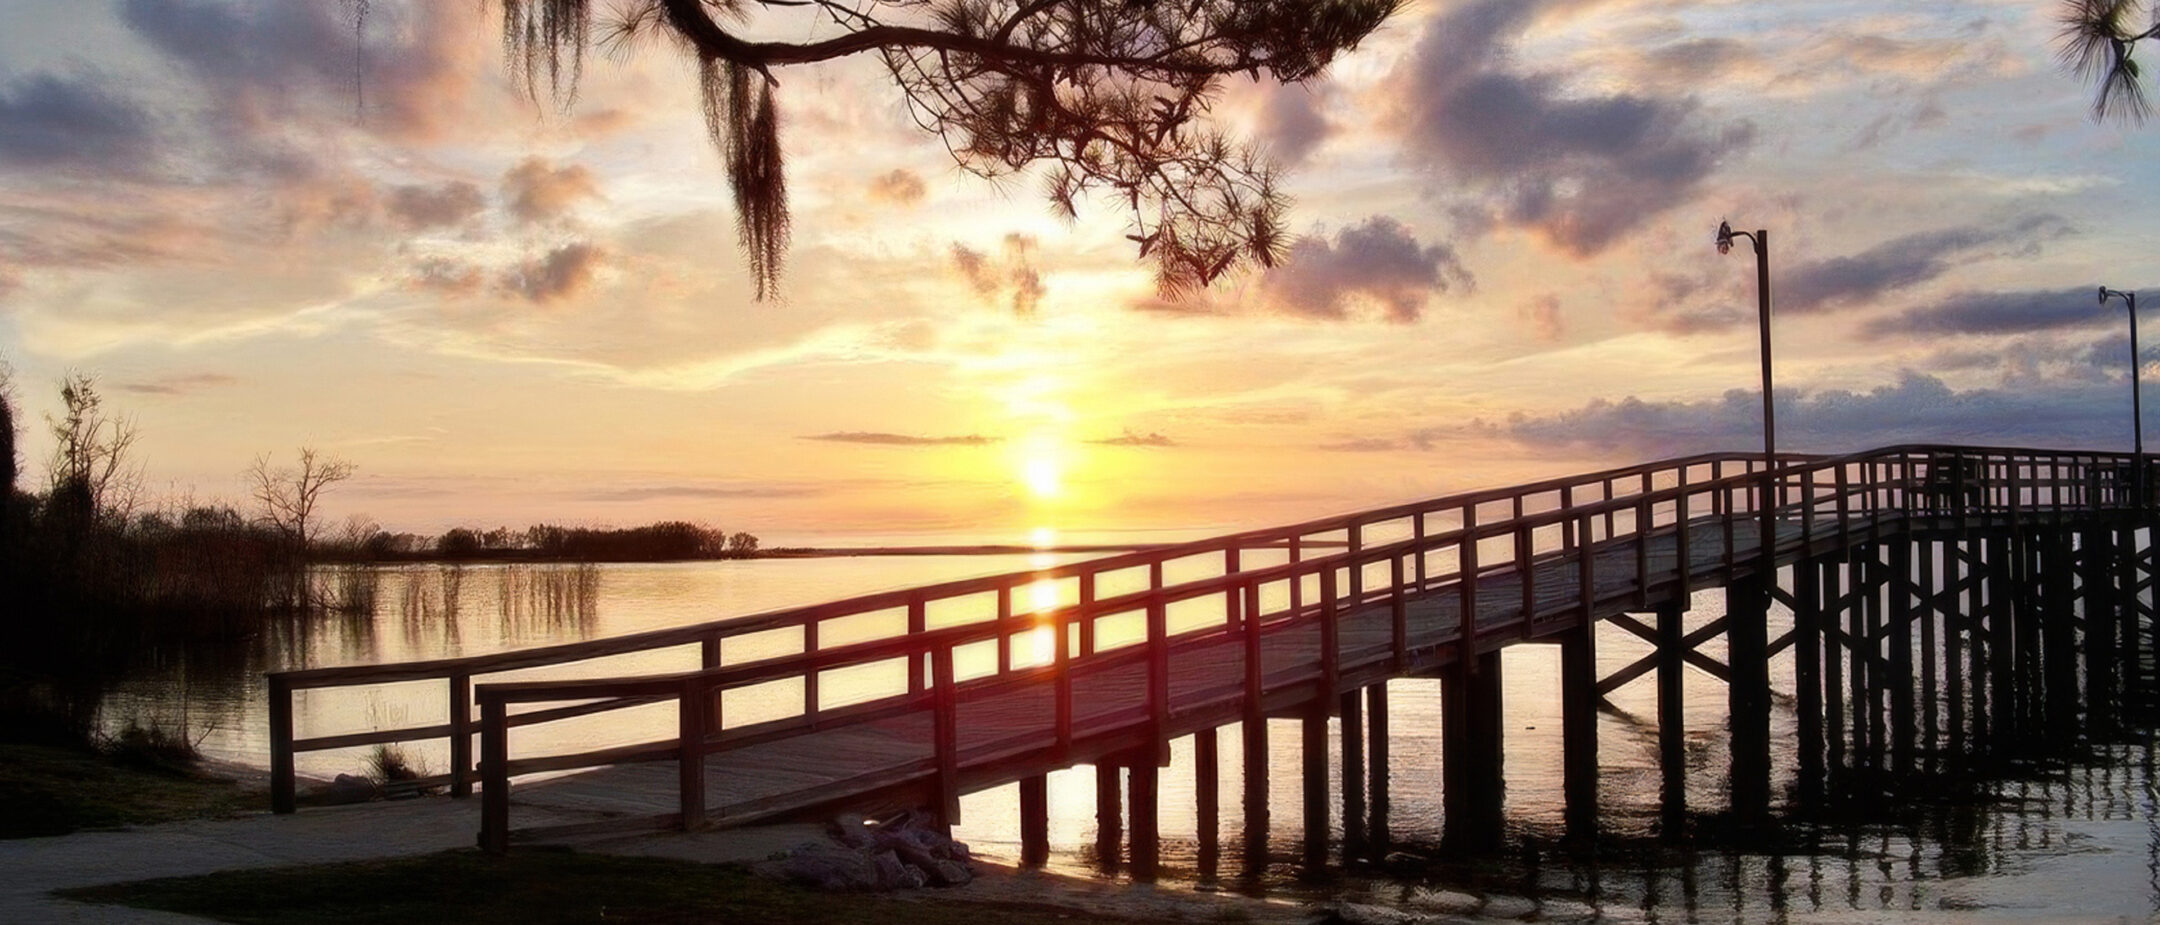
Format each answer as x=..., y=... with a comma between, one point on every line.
x=1466, y=568
x=810, y=671
x=1642, y=552
x=918, y=622
x=461, y=735
x=1398, y=614
x=946, y=723
x=494, y=773
x=1004, y=625
x=1231, y=566
x=283, y=779
x=1524, y=569
x=1061, y=656
x=1330, y=638
x=690, y=711
x=1158, y=654
x=1357, y=568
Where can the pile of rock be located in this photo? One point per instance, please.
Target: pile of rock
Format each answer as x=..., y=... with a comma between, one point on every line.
x=901, y=852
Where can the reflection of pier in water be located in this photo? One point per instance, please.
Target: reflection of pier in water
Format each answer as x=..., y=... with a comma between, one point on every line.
x=1949, y=603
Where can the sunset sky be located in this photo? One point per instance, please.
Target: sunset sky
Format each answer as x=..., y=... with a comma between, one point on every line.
x=256, y=238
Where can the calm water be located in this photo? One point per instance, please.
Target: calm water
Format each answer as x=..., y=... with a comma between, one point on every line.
x=2080, y=842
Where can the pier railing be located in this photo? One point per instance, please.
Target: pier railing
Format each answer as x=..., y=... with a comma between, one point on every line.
x=1255, y=584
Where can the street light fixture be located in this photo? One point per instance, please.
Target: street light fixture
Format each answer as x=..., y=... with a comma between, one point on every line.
x=2137, y=412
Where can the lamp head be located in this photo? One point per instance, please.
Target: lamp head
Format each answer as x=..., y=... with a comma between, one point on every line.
x=1724, y=237
x=2103, y=295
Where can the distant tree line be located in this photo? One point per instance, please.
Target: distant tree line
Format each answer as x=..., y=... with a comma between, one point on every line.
x=665, y=541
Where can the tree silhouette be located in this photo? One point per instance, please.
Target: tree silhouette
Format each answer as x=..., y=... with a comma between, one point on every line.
x=90, y=465
x=2097, y=43
x=1110, y=94
x=288, y=496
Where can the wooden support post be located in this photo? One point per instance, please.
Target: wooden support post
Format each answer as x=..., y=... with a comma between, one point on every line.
x=1807, y=674
x=1671, y=711
x=1578, y=728
x=1314, y=751
x=2131, y=652
x=1977, y=637
x=1143, y=779
x=284, y=796
x=690, y=710
x=1109, y=815
x=1351, y=732
x=1832, y=619
x=2029, y=598
x=1899, y=686
x=2002, y=590
x=494, y=776
x=1926, y=587
x=1253, y=738
x=2059, y=651
x=2101, y=622
x=1864, y=633
x=1376, y=765
x=1034, y=820
x=1955, y=620
x=1487, y=736
x=1748, y=696
x=461, y=771
x=1207, y=801
x=1470, y=759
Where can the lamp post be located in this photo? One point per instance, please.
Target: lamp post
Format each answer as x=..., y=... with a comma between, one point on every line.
x=1761, y=239
x=1747, y=637
x=2137, y=412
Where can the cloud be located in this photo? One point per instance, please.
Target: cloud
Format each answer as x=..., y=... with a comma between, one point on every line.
x=1901, y=263
x=1129, y=438
x=884, y=439
x=1290, y=124
x=417, y=207
x=2019, y=312
x=265, y=66
x=706, y=492
x=899, y=186
x=1365, y=445
x=1917, y=408
x=562, y=272
x=536, y=192
x=178, y=385
x=50, y=122
x=1012, y=269
x=442, y=274
x=1540, y=316
x=1580, y=170
x=1377, y=263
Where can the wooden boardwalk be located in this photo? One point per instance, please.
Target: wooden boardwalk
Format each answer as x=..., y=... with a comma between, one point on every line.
x=1304, y=621
x=1008, y=731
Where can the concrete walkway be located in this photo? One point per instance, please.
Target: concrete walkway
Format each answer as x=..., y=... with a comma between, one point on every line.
x=31, y=868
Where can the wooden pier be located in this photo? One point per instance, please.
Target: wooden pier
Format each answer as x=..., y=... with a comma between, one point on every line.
x=1946, y=601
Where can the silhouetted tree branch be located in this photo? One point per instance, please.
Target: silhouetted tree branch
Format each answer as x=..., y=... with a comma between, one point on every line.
x=90, y=472
x=2098, y=41
x=1110, y=94
x=289, y=495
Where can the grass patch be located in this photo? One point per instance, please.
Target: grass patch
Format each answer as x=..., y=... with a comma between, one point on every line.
x=538, y=887
x=54, y=790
